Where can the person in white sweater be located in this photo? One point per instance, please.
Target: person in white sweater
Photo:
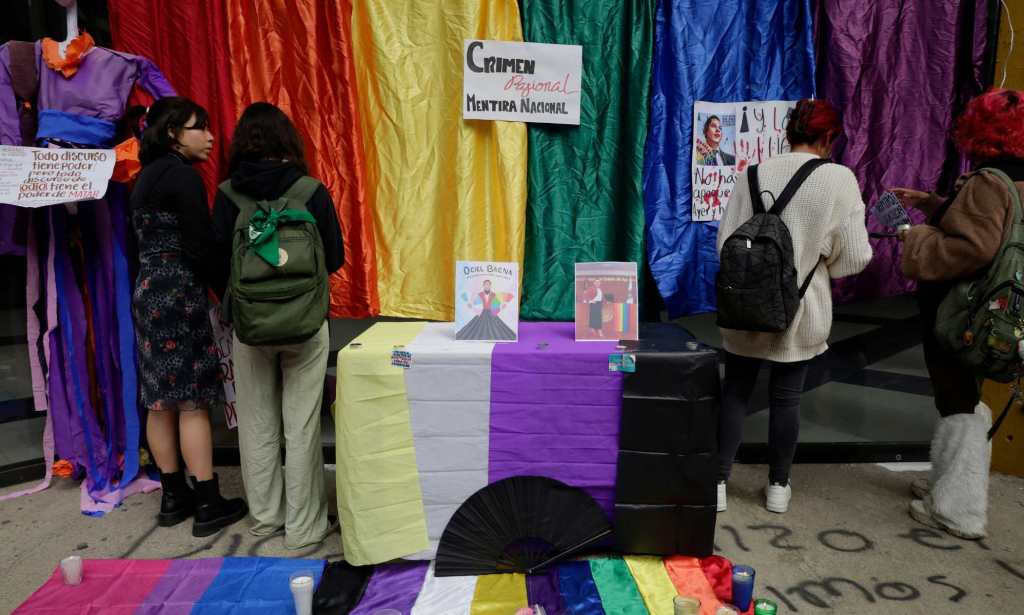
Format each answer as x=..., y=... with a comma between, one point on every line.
x=826, y=221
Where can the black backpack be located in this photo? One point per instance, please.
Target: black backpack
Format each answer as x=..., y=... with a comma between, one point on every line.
x=757, y=286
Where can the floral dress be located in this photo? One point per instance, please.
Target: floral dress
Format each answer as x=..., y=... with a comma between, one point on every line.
x=177, y=358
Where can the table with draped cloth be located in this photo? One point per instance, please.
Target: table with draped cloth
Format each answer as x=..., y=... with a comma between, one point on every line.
x=414, y=443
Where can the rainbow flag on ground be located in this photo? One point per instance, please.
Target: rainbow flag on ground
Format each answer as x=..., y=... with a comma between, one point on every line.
x=259, y=585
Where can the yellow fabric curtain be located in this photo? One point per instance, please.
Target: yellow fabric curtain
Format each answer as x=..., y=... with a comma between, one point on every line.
x=499, y=594
x=440, y=188
x=653, y=582
x=379, y=499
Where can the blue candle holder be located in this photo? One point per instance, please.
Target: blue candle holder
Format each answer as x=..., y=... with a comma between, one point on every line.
x=742, y=587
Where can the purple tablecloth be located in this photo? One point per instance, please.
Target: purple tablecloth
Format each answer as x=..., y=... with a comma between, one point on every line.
x=555, y=410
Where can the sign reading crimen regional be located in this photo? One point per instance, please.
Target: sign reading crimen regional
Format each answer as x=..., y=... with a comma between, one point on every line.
x=522, y=82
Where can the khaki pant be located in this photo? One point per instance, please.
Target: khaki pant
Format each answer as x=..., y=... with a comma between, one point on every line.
x=279, y=386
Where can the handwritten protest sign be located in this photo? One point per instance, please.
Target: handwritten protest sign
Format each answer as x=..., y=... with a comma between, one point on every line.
x=727, y=138
x=762, y=131
x=36, y=177
x=522, y=82
x=222, y=339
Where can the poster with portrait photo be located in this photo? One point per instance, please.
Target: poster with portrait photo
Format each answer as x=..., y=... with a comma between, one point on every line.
x=715, y=143
x=714, y=158
x=486, y=301
x=727, y=138
x=607, y=304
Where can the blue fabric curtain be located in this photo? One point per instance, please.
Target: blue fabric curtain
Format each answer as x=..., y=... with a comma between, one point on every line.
x=725, y=51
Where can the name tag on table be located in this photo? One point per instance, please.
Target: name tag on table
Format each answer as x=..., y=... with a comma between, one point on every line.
x=401, y=358
x=622, y=362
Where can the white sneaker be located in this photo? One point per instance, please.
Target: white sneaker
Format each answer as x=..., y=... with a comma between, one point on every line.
x=777, y=497
x=721, y=497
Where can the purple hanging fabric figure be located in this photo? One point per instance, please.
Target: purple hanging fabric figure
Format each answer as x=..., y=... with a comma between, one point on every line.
x=90, y=386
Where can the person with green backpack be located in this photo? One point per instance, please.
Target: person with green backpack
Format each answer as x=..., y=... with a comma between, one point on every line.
x=279, y=229
x=969, y=261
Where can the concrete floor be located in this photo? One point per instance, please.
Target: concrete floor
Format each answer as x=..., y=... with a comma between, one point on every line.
x=846, y=544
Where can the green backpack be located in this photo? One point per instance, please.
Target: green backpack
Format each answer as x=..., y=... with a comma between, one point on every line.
x=981, y=321
x=278, y=292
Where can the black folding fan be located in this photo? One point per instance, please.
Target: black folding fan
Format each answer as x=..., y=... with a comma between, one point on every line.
x=519, y=524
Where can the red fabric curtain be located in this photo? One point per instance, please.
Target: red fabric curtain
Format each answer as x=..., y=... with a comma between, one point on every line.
x=298, y=56
x=193, y=55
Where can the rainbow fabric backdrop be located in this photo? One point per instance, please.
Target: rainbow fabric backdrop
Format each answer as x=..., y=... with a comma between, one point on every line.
x=252, y=585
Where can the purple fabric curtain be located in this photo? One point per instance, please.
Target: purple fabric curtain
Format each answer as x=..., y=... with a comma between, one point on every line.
x=900, y=72
x=93, y=385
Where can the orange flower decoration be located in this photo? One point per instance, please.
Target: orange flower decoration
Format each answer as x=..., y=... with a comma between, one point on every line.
x=73, y=54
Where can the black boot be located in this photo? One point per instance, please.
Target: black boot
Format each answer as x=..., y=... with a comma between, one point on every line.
x=178, y=501
x=214, y=512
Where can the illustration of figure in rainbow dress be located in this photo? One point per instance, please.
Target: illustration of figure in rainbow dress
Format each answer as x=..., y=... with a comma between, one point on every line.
x=486, y=325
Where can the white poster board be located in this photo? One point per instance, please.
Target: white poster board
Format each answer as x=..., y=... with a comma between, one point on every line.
x=727, y=138
x=522, y=82
x=486, y=301
x=37, y=177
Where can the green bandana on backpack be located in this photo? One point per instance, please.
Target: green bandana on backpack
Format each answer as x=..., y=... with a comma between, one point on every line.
x=278, y=292
x=263, y=230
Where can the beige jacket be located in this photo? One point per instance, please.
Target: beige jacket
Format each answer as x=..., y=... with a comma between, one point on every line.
x=826, y=221
x=968, y=236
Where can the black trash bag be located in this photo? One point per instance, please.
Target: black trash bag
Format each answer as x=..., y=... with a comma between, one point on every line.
x=341, y=588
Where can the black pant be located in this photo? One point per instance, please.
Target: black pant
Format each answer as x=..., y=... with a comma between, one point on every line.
x=956, y=389
x=787, y=384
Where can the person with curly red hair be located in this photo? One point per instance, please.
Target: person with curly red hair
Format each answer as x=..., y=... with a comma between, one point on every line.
x=961, y=238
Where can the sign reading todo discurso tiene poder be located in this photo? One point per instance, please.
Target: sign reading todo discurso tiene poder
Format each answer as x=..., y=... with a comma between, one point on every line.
x=522, y=82
x=36, y=177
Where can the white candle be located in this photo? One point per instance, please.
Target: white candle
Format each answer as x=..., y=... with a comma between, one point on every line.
x=302, y=593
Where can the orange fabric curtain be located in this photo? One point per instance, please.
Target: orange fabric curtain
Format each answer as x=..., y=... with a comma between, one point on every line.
x=298, y=56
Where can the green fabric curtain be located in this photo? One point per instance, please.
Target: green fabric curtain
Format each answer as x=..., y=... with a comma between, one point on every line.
x=585, y=191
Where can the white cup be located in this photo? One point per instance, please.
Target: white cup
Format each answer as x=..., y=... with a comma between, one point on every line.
x=302, y=592
x=71, y=569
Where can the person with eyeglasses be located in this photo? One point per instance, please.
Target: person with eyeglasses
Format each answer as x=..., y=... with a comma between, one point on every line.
x=179, y=370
